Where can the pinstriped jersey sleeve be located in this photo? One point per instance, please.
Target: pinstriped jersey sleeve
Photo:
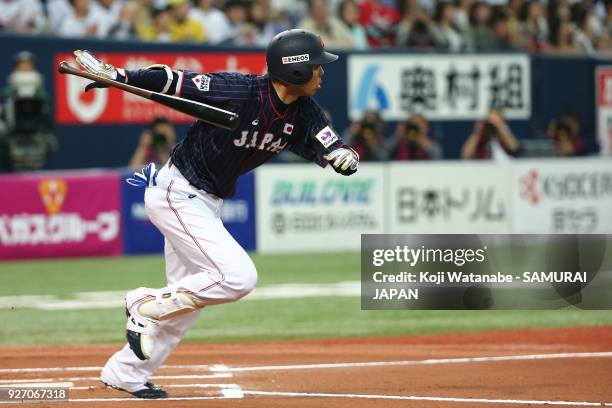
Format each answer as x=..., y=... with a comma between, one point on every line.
x=316, y=136
x=218, y=88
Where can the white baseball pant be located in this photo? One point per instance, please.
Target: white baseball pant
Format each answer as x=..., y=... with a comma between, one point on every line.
x=201, y=257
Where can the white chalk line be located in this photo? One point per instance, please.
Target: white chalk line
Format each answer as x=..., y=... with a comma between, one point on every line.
x=196, y=385
x=154, y=377
x=193, y=367
x=224, y=369
x=415, y=362
x=424, y=398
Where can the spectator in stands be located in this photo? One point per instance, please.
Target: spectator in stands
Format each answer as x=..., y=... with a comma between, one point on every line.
x=562, y=39
x=380, y=22
x=490, y=139
x=261, y=27
x=479, y=36
x=26, y=139
x=416, y=30
x=503, y=38
x=565, y=134
x=237, y=14
x=412, y=141
x=331, y=30
x=583, y=32
x=155, y=144
x=107, y=14
x=183, y=27
x=445, y=34
x=81, y=21
x=125, y=27
x=212, y=19
x=23, y=16
x=348, y=11
x=533, y=26
x=461, y=18
x=159, y=29
x=366, y=137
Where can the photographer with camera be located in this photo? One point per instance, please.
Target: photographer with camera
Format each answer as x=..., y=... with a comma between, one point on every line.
x=26, y=140
x=564, y=133
x=155, y=144
x=366, y=137
x=412, y=141
x=491, y=139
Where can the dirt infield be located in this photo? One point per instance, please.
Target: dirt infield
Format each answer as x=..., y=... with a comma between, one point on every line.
x=559, y=367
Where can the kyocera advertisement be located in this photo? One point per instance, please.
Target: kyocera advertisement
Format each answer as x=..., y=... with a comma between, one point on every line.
x=104, y=105
x=60, y=215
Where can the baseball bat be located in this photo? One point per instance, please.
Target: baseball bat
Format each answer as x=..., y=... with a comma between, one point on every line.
x=206, y=113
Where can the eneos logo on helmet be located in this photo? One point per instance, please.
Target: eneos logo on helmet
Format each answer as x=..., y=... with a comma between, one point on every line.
x=292, y=59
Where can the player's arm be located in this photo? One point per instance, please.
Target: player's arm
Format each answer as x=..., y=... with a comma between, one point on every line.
x=215, y=88
x=321, y=143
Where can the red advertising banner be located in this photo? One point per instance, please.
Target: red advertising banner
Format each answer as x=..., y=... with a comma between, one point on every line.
x=49, y=215
x=603, y=107
x=74, y=106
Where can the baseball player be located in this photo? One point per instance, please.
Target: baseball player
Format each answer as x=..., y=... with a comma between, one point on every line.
x=205, y=266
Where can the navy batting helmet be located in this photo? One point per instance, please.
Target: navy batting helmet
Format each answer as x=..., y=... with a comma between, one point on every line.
x=291, y=54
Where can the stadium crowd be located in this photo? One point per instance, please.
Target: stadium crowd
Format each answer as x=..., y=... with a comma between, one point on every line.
x=557, y=26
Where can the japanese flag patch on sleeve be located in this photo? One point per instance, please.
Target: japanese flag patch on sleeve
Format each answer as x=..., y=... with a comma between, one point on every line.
x=326, y=136
x=202, y=82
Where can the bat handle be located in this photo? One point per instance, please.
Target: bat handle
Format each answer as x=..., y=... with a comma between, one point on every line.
x=62, y=68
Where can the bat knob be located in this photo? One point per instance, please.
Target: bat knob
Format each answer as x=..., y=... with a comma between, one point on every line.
x=62, y=68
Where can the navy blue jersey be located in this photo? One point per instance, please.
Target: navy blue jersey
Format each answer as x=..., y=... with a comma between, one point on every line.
x=212, y=158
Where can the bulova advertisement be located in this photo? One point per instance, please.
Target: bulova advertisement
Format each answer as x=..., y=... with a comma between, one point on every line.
x=562, y=196
x=447, y=197
x=304, y=207
x=442, y=87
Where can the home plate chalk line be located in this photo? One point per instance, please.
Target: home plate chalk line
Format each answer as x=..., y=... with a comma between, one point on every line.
x=234, y=391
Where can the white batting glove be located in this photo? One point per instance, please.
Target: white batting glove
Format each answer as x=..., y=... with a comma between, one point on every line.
x=94, y=66
x=344, y=160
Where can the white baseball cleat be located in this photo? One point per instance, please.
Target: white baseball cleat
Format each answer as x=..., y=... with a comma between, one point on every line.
x=139, y=328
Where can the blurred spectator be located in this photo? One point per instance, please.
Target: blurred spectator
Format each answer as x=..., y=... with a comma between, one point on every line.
x=503, y=38
x=237, y=14
x=412, y=141
x=261, y=28
x=565, y=134
x=533, y=26
x=461, y=17
x=25, y=121
x=212, y=19
x=159, y=29
x=445, y=33
x=416, y=30
x=348, y=11
x=57, y=10
x=366, y=137
x=184, y=28
x=479, y=35
x=490, y=139
x=562, y=39
x=125, y=27
x=155, y=143
x=81, y=21
x=583, y=31
x=379, y=21
x=331, y=30
x=23, y=16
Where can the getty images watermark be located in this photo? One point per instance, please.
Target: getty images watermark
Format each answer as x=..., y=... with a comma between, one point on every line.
x=486, y=271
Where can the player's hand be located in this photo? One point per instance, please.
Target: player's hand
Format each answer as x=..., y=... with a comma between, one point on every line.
x=344, y=160
x=94, y=66
x=147, y=177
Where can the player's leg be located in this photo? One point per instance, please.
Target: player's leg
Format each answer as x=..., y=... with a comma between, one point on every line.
x=220, y=270
x=124, y=369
